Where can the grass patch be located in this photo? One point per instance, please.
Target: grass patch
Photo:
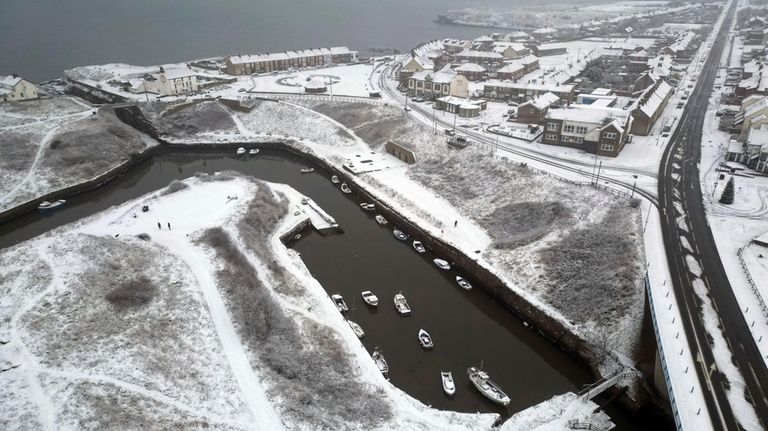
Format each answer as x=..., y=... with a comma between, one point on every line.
x=132, y=293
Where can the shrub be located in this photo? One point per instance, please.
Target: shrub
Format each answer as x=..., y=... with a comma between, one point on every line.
x=132, y=293
x=173, y=187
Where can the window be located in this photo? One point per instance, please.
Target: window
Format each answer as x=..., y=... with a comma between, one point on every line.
x=567, y=128
x=606, y=147
x=581, y=130
x=572, y=139
x=552, y=127
x=609, y=135
x=550, y=136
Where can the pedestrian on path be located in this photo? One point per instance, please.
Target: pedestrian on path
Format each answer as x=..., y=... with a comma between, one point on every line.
x=159, y=226
x=169, y=225
x=456, y=223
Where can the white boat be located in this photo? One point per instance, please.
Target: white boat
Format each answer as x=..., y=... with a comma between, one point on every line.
x=381, y=220
x=45, y=205
x=240, y=151
x=345, y=188
x=307, y=170
x=425, y=339
x=253, y=151
x=442, y=264
x=381, y=363
x=357, y=329
x=463, y=282
x=401, y=305
x=370, y=299
x=339, y=301
x=418, y=246
x=304, y=201
x=367, y=206
x=335, y=179
x=449, y=387
x=399, y=235
x=485, y=385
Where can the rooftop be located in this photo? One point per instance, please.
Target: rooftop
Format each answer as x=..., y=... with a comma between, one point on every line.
x=252, y=58
x=598, y=115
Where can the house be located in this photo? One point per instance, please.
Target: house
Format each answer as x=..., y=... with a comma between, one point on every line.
x=753, y=114
x=752, y=152
x=516, y=69
x=413, y=65
x=471, y=71
x=432, y=85
x=682, y=47
x=259, y=63
x=544, y=33
x=482, y=43
x=648, y=108
x=484, y=58
x=453, y=46
x=535, y=110
x=523, y=92
x=511, y=50
x=598, y=97
x=756, y=22
x=546, y=49
x=756, y=36
x=518, y=36
x=598, y=130
x=464, y=108
x=757, y=83
x=166, y=82
x=14, y=88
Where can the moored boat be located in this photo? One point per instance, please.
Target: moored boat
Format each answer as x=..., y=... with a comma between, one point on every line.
x=381, y=220
x=339, y=302
x=370, y=299
x=45, y=205
x=334, y=179
x=381, y=363
x=357, y=329
x=442, y=264
x=253, y=151
x=449, y=387
x=425, y=339
x=463, y=282
x=399, y=234
x=486, y=386
x=401, y=305
x=345, y=188
x=241, y=151
x=307, y=170
x=368, y=207
x=418, y=246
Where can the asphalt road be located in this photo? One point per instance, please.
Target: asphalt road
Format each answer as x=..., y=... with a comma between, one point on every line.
x=679, y=182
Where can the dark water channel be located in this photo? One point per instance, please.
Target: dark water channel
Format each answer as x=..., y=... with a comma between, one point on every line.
x=468, y=328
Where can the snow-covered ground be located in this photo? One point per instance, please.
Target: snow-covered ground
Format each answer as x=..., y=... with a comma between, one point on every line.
x=134, y=320
x=344, y=80
x=50, y=144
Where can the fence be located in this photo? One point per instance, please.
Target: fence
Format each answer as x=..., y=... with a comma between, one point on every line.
x=297, y=96
x=752, y=283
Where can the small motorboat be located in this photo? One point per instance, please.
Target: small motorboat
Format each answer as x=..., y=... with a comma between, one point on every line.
x=381, y=220
x=418, y=246
x=307, y=170
x=442, y=264
x=357, y=329
x=339, y=301
x=425, y=339
x=370, y=299
x=449, y=387
x=345, y=188
x=463, y=282
x=241, y=151
x=399, y=234
x=401, y=305
x=381, y=363
x=45, y=205
x=335, y=179
x=304, y=201
x=253, y=151
x=485, y=385
x=367, y=206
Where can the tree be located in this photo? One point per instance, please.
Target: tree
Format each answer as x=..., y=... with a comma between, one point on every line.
x=727, y=196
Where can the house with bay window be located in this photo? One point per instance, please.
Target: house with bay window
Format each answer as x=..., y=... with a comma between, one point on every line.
x=594, y=129
x=433, y=85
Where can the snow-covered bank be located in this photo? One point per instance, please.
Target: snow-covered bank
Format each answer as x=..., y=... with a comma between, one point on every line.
x=136, y=309
x=52, y=144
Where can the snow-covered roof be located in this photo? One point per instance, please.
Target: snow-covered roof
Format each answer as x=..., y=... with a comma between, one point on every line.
x=470, y=67
x=653, y=98
x=10, y=81
x=567, y=88
x=517, y=35
x=459, y=101
x=682, y=42
x=471, y=53
x=543, y=101
x=287, y=55
x=176, y=73
x=598, y=115
x=602, y=91
x=483, y=39
x=500, y=47
x=545, y=30
x=758, y=136
x=444, y=76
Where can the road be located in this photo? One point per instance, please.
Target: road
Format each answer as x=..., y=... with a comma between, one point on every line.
x=679, y=184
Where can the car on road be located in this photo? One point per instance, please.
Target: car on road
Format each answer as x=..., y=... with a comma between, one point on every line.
x=680, y=105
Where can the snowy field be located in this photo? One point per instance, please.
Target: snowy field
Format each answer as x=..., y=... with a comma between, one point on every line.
x=50, y=144
x=204, y=323
x=345, y=80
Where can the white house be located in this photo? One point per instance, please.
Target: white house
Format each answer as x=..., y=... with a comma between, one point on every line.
x=14, y=87
x=432, y=85
x=166, y=82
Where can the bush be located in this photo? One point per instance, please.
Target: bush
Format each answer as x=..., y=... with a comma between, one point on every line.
x=132, y=293
x=173, y=187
